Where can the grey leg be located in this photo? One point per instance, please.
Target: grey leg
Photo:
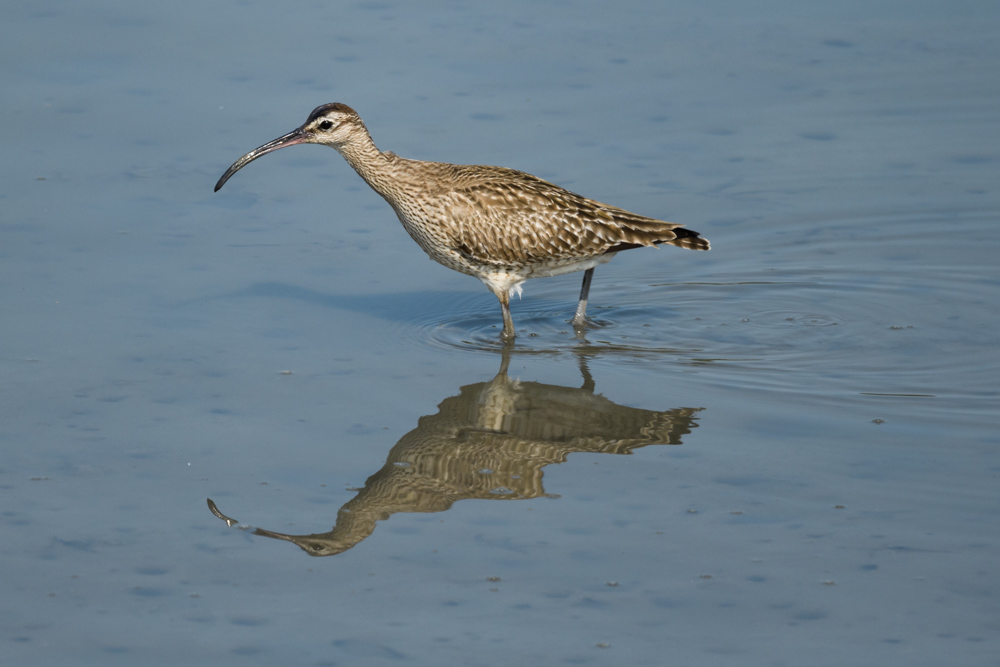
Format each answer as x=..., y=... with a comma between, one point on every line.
x=508, y=323
x=580, y=319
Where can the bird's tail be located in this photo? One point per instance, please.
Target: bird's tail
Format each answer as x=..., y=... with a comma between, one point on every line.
x=686, y=238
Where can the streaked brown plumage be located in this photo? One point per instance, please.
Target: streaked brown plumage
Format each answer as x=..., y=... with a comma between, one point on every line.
x=500, y=225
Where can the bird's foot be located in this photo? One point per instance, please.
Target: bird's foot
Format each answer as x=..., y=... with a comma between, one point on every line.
x=581, y=324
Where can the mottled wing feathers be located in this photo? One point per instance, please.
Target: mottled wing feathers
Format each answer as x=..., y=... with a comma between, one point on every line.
x=502, y=216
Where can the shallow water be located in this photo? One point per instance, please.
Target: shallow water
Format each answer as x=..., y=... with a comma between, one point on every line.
x=783, y=451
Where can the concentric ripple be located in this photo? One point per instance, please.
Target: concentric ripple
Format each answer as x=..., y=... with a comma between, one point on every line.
x=786, y=319
x=544, y=328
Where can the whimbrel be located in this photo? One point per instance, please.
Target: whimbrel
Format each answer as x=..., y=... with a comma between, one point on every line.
x=499, y=225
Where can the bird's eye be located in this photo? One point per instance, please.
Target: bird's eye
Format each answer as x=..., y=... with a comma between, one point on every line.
x=326, y=125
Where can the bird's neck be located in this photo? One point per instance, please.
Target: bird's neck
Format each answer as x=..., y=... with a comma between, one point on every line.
x=371, y=164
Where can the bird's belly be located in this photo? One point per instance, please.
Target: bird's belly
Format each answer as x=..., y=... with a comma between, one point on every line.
x=437, y=248
x=557, y=267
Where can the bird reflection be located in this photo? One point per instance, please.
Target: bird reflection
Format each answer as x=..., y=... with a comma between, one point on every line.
x=491, y=441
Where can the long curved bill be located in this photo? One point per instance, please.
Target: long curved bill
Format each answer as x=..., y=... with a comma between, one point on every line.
x=290, y=139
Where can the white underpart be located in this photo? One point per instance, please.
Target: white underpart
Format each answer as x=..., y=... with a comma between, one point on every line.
x=509, y=282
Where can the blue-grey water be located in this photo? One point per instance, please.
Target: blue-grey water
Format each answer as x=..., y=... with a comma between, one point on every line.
x=785, y=451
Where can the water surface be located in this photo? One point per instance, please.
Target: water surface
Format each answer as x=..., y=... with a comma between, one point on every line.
x=783, y=451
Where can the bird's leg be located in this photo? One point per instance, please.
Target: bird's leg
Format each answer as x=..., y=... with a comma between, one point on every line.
x=508, y=323
x=504, y=362
x=580, y=319
x=588, y=379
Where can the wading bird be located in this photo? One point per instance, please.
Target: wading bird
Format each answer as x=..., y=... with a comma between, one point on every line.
x=500, y=225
